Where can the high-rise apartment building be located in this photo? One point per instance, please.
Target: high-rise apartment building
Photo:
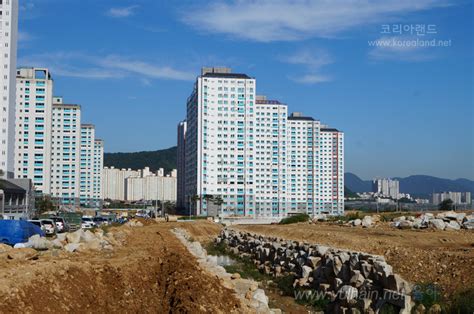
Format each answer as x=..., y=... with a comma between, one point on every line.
x=220, y=141
x=248, y=152
x=181, y=162
x=97, y=166
x=386, y=187
x=270, y=158
x=66, y=152
x=86, y=164
x=331, y=171
x=8, y=50
x=34, y=100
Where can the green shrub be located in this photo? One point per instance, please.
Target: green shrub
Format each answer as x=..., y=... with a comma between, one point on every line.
x=294, y=219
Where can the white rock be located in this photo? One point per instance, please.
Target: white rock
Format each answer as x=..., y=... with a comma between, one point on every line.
x=56, y=243
x=367, y=222
x=357, y=222
x=88, y=236
x=61, y=237
x=452, y=225
x=75, y=237
x=396, y=219
x=72, y=247
x=405, y=224
x=259, y=295
x=437, y=224
x=306, y=271
x=38, y=243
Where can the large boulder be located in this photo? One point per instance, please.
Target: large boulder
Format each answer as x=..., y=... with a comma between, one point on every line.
x=468, y=222
x=405, y=224
x=397, y=219
x=397, y=283
x=72, y=247
x=438, y=224
x=75, y=237
x=452, y=225
x=88, y=236
x=39, y=243
x=367, y=222
x=306, y=271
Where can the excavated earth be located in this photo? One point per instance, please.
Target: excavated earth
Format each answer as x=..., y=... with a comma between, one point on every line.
x=151, y=272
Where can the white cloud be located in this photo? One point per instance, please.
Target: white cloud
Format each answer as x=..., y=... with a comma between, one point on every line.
x=274, y=20
x=145, y=69
x=402, y=48
x=76, y=64
x=312, y=61
x=122, y=12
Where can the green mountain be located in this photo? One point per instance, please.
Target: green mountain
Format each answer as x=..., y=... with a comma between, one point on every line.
x=164, y=158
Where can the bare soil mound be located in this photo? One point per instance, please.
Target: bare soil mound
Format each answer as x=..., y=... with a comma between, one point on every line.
x=151, y=272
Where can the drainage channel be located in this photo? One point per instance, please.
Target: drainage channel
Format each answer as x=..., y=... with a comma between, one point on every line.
x=219, y=261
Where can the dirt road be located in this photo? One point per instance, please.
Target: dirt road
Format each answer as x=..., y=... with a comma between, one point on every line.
x=151, y=272
x=420, y=256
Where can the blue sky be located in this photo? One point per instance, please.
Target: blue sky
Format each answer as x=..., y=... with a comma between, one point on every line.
x=404, y=110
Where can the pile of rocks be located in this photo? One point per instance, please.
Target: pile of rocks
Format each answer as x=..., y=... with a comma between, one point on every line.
x=79, y=240
x=443, y=221
x=350, y=280
x=366, y=222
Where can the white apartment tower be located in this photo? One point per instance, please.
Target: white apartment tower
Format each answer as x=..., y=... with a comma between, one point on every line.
x=270, y=159
x=247, y=151
x=65, y=152
x=181, y=162
x=303, y=164
x=86, y=164
x=34, y=101
x=331, y=174
x=220, y=141
x=8, y=45
x=97, y=166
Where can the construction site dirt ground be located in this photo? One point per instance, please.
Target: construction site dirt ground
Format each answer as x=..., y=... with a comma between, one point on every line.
x=151, y=272
x=426, y=256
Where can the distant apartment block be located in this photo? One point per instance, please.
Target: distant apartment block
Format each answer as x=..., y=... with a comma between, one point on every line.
x=386, y=188
x=246, y=150
x=52, y=148
x=8, y=53
x=458, y=198
x=137, y=185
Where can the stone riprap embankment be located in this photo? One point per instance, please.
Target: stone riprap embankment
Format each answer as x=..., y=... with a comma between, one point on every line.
x=349, y=280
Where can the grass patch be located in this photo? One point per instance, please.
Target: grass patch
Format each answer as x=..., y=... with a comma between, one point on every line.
x=294, y=219
x=462, y=302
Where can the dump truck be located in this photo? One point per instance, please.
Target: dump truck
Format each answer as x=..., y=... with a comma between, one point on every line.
x=73, y=219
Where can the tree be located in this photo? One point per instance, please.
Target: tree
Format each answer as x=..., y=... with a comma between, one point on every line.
x=194, y=199
x=218, y=201
x=44, y=204
x=446, y=205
